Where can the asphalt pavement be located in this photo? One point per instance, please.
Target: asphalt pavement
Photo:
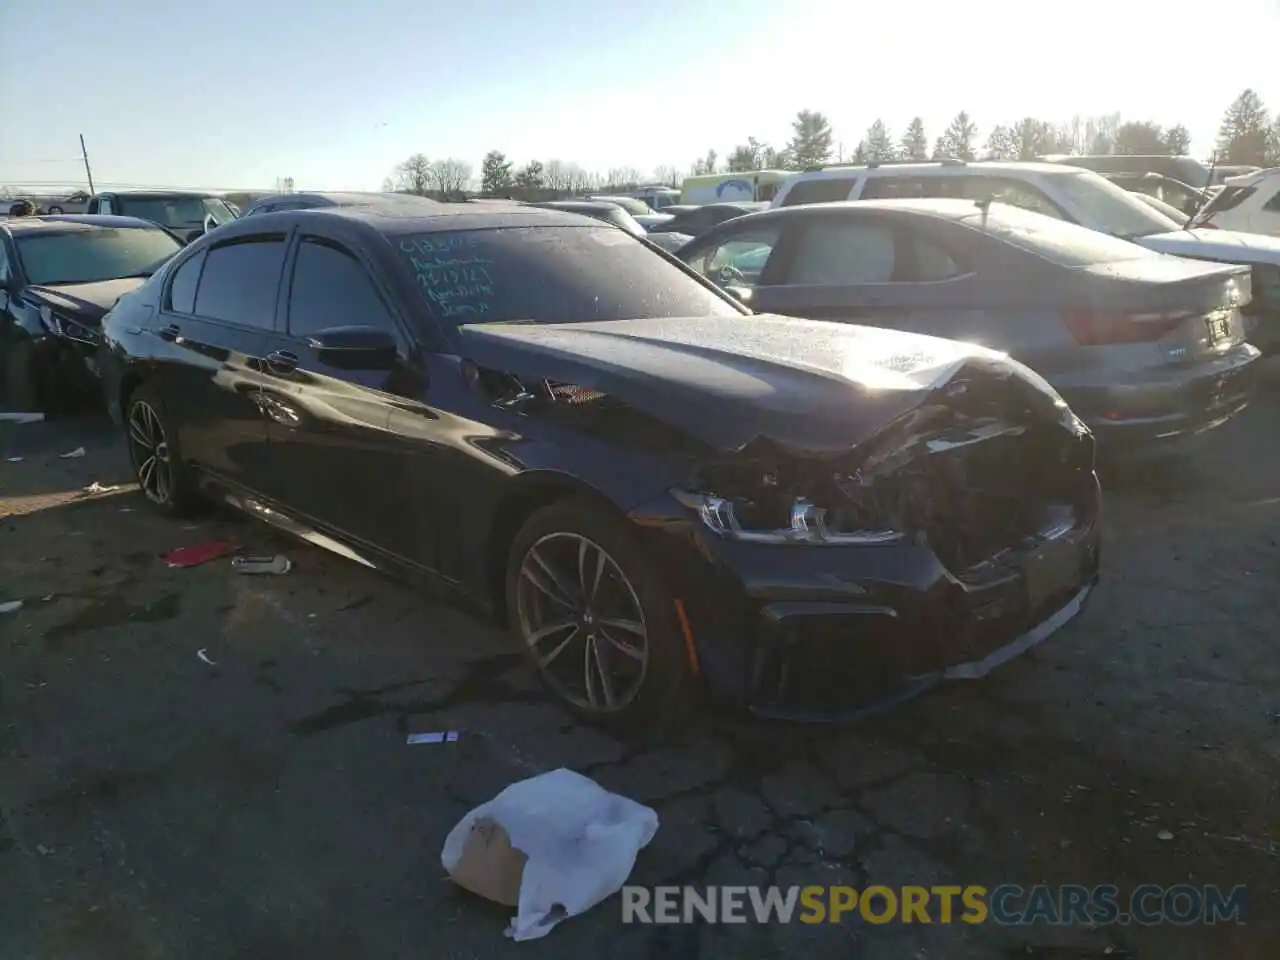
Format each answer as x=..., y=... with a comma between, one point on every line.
x=200, y=764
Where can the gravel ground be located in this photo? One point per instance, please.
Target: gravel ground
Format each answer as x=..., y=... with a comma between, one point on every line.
x=154, y=805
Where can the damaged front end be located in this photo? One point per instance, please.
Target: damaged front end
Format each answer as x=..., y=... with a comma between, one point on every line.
x=934, y=548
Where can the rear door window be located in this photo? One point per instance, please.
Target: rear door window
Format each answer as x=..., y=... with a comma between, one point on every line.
x=241, y=280
x=738, y=259
x=820, y=190
x=331, y=288
x=843, y=253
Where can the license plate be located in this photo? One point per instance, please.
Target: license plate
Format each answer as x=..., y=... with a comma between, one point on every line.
x=1051, y=570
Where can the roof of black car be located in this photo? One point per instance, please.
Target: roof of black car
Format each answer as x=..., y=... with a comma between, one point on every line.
x=393, y=219
x=345, y=197
x=69, y=222
x=163, y=194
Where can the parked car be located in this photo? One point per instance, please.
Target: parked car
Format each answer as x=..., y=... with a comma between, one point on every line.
x=701, y=219
x=653, y=487
x=187, y=213
x=1250, y=203
x=1183, y=197
x=1074, y=195
x=1187, y=169
x=633, y=206
x=612, y=213
x=310, y=201
x=58, y=276
x=1144, y=347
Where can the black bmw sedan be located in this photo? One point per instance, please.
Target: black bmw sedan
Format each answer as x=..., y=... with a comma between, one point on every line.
x=58, y=276
x=658, y=491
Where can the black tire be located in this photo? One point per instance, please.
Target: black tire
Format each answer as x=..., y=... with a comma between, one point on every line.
x=168, y=485
x=55, y=210
x=665, y=690
x=21, y=386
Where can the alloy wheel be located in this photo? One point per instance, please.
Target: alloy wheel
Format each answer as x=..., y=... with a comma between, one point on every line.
x=149, y=450
x=583, y=623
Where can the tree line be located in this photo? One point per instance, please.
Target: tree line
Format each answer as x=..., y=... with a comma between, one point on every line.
x=1248, y=134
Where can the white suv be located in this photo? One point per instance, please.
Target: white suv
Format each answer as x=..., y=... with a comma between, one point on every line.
x=1250, y=203
x=1068, y=193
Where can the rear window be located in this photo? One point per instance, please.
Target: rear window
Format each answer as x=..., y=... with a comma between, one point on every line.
x=823, y=190
x=1065, y=243
x=551, y=275
x=88, y=256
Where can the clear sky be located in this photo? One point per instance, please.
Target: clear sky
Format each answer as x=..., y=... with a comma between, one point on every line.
x=238, y=93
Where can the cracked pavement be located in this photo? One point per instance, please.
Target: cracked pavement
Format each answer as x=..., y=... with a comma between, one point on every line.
x=266, y=805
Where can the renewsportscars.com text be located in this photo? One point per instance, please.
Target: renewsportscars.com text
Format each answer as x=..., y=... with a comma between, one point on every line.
x=1006, y=905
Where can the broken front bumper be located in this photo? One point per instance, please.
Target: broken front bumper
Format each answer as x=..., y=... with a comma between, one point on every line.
x=827, y=634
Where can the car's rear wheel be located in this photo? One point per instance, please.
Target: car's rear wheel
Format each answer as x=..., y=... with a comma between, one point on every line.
x=165, y=480
x=596, y=620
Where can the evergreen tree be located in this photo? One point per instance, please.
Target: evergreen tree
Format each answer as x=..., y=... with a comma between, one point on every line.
x=495, y=174
x=879, y=145
x=810, y=144
x=915, y=145
x=1245, y=134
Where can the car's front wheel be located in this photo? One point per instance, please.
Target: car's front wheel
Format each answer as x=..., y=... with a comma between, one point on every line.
x=595, y=619
x=165, y=480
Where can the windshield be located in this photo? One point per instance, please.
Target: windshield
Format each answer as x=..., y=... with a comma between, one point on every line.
x=1110, y=209
x=176, y=213
x=88, y=256
x=551, y=274
x=1066, y=243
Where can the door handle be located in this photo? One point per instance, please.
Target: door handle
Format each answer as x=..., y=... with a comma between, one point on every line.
x=170, y=333
x=282, y=361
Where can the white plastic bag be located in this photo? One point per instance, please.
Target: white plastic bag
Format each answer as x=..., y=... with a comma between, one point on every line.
x=581, y=842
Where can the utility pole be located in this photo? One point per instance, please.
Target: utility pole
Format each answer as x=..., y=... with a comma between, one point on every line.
x=87, y=172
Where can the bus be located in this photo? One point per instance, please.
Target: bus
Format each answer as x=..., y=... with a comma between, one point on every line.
x=727, y=187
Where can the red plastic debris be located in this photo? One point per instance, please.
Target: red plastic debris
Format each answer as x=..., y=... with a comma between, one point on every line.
x=197, y=553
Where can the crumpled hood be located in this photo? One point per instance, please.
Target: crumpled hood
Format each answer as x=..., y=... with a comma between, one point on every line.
x=86, y=302
x=1226, y=246
x=806, y=385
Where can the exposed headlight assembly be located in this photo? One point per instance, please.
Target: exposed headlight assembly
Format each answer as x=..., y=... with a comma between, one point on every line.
x=808, y=524
x=66, y=328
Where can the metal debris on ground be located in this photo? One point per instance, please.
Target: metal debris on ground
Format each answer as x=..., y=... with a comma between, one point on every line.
x=10, y=606
x=14, y=459
x=205, y=657
x=197, y=553
x=77, y=452
x=448, y=736
x=13, y=417
x=97, y=487
x=1164, y=835
x=274, y=565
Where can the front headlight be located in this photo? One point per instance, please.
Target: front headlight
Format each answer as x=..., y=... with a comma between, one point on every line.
x=67, y=328
x=807, y=523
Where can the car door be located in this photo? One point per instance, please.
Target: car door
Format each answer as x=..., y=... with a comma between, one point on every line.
x=875, y=270
x=344, y=466
x=217, y=307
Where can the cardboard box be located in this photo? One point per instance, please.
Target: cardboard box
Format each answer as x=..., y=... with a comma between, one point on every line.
x=489, y=865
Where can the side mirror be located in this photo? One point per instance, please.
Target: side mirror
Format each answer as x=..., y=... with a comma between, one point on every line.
x=209, y=222
x=355, y=348
x=741, y=294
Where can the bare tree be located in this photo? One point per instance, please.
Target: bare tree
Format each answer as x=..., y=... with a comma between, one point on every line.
x=413, y=175
x=450, y=178
x=555, y=176
x=668, y=175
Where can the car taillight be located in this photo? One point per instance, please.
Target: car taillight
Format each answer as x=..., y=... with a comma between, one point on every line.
x=1094, y=328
